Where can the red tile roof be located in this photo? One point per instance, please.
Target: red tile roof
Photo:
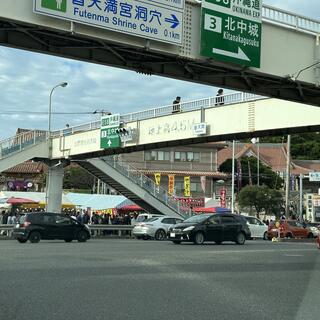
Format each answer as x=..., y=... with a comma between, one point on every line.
x=28, y=167
x=272, y=155
x=218, y=175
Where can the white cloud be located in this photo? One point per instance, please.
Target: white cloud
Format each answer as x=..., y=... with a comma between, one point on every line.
x=26, y=80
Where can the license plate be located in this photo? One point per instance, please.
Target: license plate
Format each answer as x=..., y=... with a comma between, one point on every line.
x=172, y=234
x=275, y=230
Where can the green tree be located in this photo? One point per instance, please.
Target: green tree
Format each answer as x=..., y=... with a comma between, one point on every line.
x=77, y=178
x=261, y=198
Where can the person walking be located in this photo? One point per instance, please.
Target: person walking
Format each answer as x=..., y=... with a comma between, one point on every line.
x=219, y=98
x=176, y=105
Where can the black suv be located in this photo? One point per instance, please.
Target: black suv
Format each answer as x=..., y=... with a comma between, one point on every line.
x=211, y=227
x=34, y=226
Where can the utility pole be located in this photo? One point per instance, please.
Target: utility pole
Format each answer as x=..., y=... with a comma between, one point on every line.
x=232, y=181
x=288, y=175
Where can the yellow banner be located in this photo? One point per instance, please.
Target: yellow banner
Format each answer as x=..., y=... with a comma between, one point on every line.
x=170, y=184
x=157, y=178
x=187, y=191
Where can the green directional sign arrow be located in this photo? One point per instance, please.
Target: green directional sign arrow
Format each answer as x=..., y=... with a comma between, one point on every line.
x=231, y=31
x=109, y=135
x=110, y=138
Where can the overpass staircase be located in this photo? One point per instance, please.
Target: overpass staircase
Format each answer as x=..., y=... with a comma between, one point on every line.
x=23, y=147
x=134, y=185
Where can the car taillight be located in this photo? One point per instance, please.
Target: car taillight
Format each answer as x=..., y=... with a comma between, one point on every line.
x=25, y=224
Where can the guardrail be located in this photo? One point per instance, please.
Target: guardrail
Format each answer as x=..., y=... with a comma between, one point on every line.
x=205, y=103
x=21, y=142
x=147, y=184
x=96, y=229
x=290, y=19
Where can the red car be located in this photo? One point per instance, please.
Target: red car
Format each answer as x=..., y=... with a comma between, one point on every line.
x=289, y=229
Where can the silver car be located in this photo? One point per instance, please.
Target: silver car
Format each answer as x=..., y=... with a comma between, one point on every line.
x=156, y=227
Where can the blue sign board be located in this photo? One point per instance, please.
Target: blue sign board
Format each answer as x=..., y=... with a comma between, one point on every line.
x=159, y=20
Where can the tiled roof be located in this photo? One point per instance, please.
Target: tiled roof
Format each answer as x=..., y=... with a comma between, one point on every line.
x=28, y=167
x=271, y=154
x=218, y=175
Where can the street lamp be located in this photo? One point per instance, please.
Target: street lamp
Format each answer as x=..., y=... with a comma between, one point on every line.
x=62, y=84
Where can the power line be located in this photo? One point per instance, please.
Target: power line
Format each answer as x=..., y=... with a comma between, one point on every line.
x=17, y=112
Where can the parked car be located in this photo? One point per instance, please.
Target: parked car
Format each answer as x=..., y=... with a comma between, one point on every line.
x=257, y=227
x=45, y=225
x=155, y=227
x=211, y=227
x=314, y=227
x=142, y=217
x=289, y=229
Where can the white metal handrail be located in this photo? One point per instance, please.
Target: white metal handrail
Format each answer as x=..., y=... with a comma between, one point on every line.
x=290, y=19
x=148, y=185
x=205, y=103
x=21, y=141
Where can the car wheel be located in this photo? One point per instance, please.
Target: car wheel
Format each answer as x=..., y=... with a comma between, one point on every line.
x=176, y=242
x=82, y=236
x=34, y=237
x=241, y=239
x=160, y=235
x=22, y=240
x=289, y=235
x=68, y=240
x=198, y=238
x=310, y=235
x=265, y=236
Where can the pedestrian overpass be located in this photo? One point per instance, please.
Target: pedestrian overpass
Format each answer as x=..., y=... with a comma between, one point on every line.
x=241, y=116
x=290, y=49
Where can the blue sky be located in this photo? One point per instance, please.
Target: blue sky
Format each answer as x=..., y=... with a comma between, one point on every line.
x=26, y=80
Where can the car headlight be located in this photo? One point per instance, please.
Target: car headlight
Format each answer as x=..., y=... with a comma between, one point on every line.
x=189, y=228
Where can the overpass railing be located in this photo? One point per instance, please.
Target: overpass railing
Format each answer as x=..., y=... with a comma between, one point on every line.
x=21, y=142
x=147, y=184
x=237, y=97
x=290, y=19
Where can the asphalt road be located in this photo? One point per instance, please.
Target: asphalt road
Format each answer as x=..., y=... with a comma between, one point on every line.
x=132, y=279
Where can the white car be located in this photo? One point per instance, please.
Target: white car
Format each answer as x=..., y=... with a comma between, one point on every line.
x=257, y=227
x=156, y=227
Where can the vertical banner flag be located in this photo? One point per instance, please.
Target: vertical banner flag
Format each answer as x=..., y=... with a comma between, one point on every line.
x=223, y=194
x=203, y=183
x=157, y=178
x=170, y=184
x=187, y=192
x=239, y=171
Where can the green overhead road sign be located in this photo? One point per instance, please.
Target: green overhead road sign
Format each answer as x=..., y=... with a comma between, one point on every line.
x=109, y=138
x=231, y=31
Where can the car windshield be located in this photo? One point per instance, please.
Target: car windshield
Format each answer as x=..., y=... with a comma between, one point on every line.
x=197, y=219
x=152, y=219
x=22, y=219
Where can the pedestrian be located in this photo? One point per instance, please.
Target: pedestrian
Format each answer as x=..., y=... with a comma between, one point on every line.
x=176, y=105
x=219, y=98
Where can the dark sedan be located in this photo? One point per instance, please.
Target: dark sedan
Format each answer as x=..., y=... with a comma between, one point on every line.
x=45, y=225
x=211, y=227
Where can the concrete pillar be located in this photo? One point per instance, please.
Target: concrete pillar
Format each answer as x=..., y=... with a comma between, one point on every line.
x=317, y=59
x=54, y=186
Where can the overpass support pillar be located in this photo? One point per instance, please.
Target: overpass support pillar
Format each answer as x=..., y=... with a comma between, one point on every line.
x=54, y=186
x=317, y=59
